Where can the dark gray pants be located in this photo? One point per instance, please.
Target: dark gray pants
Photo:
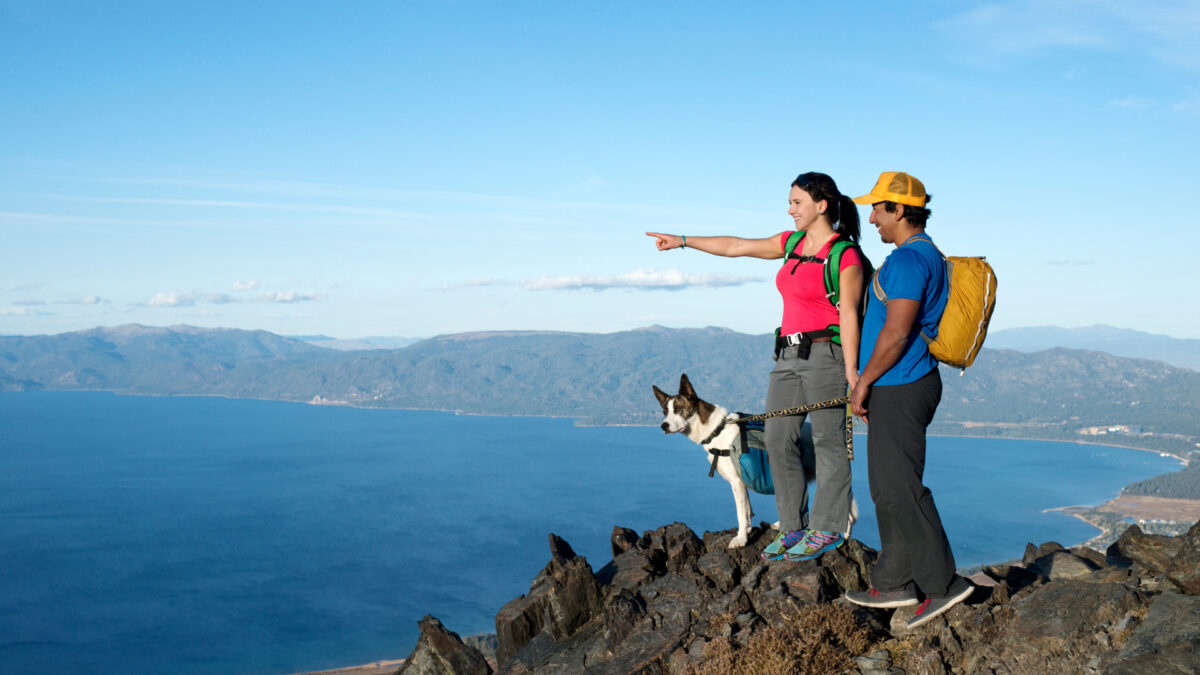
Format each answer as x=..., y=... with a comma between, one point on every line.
x=794, y=382
x=914, y=549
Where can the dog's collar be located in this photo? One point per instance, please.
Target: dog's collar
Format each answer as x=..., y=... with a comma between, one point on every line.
x=716, y=432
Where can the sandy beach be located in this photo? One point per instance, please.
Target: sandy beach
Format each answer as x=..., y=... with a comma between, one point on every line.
x=376, y=668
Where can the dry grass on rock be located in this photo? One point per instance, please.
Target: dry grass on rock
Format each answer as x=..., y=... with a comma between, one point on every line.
x=818, y=639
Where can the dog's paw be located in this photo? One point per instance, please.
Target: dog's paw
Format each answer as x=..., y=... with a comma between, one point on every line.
x=738, y=541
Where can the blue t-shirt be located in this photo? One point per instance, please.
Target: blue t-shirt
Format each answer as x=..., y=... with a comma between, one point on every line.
x=915, y=271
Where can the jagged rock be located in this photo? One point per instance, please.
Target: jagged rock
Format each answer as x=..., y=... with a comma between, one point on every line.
x=1152, y=551
x=563, y=597
x=1097, y=558
x=1015, y=577
x=1063, y=565
x=1032, y=552
x=1166, y=641
x=720, y=570
x=674, y=547
x=1184, y=570
x=627, y=571
x=668, y=593
x=1056, y=627
x=622, y=540
x=442, y=652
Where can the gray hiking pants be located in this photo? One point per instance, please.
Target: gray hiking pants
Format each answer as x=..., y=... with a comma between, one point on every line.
x=913, y=545
x=794, y=382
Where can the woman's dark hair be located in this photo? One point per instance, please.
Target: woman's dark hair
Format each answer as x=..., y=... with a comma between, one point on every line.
x=841, y=210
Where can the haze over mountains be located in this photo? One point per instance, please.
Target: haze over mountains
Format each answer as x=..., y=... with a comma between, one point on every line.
x=1184, y=353
x=598, y=378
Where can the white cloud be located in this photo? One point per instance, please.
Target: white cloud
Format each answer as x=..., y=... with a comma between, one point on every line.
x=292, y=296
x=475, y=283
x=649, y=280
x=86, y=300
x=172, y=299
x=245, y=285
x=1133, y=103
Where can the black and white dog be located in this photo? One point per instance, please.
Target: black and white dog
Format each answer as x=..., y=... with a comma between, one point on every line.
x=715, y=429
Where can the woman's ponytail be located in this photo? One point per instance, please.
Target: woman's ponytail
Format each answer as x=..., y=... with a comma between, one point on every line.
x=848, y=223
x=842, y=211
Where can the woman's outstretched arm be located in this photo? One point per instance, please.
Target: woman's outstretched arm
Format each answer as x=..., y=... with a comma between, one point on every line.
x=730, y=247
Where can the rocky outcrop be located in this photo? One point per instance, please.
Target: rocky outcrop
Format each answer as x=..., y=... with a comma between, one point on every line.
x=442, y=652
x=673, y=602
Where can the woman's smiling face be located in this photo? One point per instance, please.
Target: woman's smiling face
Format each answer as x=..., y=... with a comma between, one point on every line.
x=803, y=209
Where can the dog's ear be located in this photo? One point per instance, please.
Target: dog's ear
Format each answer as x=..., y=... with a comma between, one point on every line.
x=685, y=387
x=661, y=396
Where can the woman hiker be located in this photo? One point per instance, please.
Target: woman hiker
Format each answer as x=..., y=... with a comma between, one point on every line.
x=816, y=357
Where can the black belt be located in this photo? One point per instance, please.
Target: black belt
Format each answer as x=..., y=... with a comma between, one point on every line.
x=802, y=341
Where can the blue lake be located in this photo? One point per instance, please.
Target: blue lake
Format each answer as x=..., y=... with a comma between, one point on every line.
x=204, y=535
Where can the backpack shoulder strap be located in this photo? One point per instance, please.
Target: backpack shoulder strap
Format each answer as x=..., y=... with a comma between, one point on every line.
x=792, y=242
x=833, y=264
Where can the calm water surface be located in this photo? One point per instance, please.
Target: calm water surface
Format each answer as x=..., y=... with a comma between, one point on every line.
x=201, y=535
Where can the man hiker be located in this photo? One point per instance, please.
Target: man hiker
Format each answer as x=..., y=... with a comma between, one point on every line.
x=897, y=394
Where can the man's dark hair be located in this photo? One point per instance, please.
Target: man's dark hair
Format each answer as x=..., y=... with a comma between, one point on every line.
x=915, y=215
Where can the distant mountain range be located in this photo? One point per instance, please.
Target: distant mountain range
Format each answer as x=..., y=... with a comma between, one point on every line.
x=597, y=378
x=1184, y=353
x=605, y=379
x=359, y=343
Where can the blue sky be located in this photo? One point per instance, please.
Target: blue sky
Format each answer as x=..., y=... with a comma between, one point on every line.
x=413, y=168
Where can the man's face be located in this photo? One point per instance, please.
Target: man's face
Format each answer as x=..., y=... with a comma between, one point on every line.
x=885, y=223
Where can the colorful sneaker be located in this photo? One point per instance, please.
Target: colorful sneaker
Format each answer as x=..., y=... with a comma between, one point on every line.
x=784, y=541
x=813, y=545
x=960, y=589
x=904, y=597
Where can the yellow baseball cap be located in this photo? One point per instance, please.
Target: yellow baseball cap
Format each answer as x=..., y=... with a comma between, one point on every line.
x=895, y=186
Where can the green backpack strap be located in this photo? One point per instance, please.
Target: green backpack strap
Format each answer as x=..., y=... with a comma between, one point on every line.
x=792, y=242
x=832, y=270
x=833, y=266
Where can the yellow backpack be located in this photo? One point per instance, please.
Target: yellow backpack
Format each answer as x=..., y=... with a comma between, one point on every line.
x=969, y=306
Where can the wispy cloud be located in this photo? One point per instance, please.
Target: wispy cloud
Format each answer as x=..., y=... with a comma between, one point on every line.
x=475, y=283
x=172, y=299
x=191, y=298
x=646, y=280
x=1133, y=103
x=22, y=311
x=1166, y=30
x=288, y=297
x=241, y=286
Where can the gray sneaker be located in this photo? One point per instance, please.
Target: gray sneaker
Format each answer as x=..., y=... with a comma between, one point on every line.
x=960, y=589
x=883, y=599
